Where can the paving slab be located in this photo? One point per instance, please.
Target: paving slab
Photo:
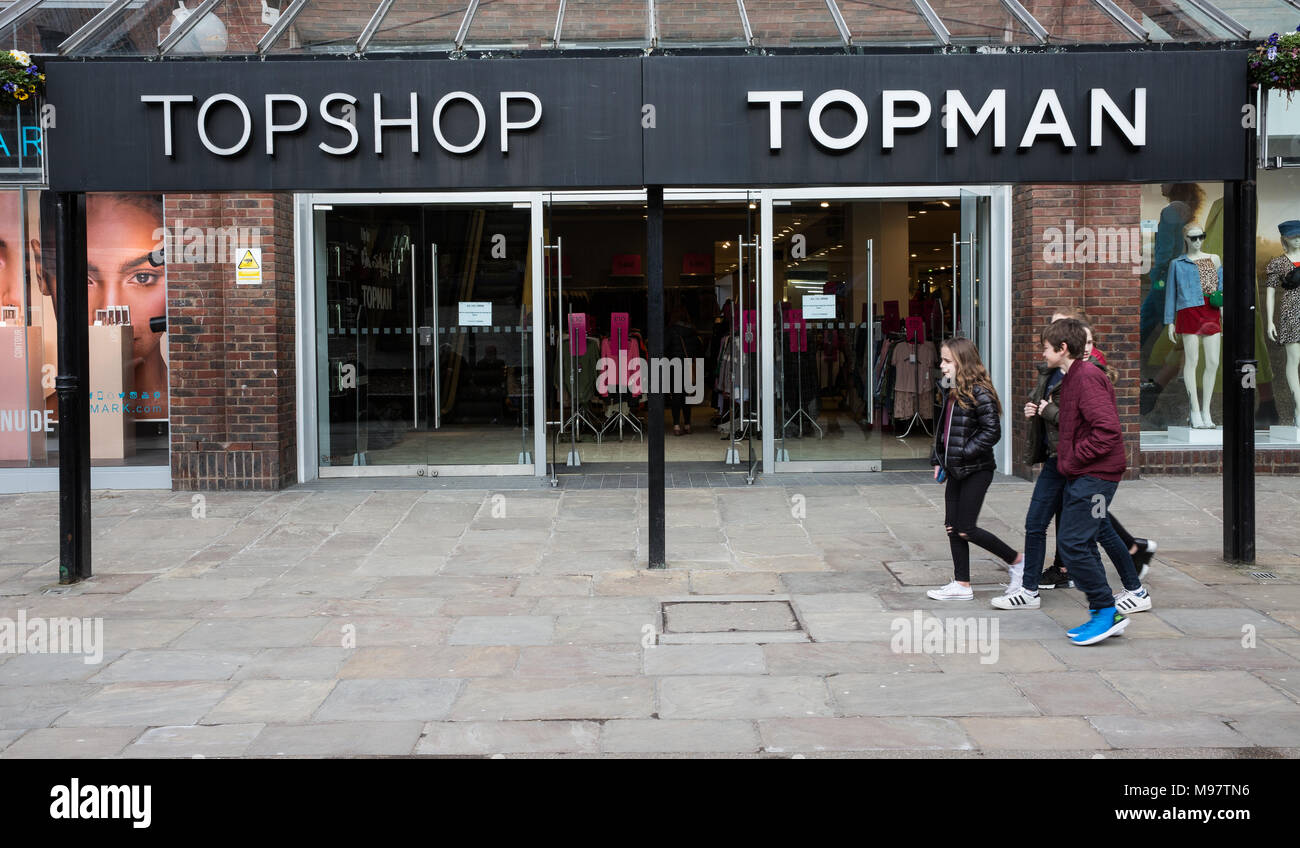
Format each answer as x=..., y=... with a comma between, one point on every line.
x=1225, y=693
x=427, y=662
x=257, y=633
x=148, y=704
x=704, y=659
x=838, y=657
x=342, y=739
x=742, y=697
x=1270, y=731
x=630, y=629
x=620, y=660
x=707, y=616
x=861, y=733
x=294, y=664
x=1042, y=733
x=686, y=736
x=1071, y=693
x=503, y=630
x=157, y=664
x=1167, y=731
x=50, y=743
x=389, y=700
x=270, y=702
x=1224, y=623
x=194, y=741
x=938, y=694
x=497, y=699
x=1205, y=654
x=485, y=738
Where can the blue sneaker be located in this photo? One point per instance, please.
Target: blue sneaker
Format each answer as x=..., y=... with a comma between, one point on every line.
x=1104, y=624
x=1074, y=631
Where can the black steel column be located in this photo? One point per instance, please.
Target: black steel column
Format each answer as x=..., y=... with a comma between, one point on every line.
x=72, y=386
x=1239, y=350
x=654, y=232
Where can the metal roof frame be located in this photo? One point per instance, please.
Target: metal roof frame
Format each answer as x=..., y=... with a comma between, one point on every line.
x=272, y=35
x=932, y=20
x=15, y=12
x=840, y=24
x=1031, y=23
x=92, y=27
x=1220, y=17
x=1123, y=19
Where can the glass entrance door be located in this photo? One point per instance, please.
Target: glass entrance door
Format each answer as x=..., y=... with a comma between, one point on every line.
x=424, y=340
x=826, y=258
x=971, y=263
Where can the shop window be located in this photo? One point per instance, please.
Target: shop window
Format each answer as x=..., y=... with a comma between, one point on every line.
x=127, y=308
x=1181, y=325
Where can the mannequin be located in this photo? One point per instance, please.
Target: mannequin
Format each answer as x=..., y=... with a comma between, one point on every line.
x=1286, y=330
x=1189, y=315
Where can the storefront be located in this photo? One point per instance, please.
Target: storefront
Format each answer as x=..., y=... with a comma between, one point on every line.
x=439, y=243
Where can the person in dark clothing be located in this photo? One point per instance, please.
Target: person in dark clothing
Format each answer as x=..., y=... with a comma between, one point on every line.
x=1047, y=500
x=1140, y=551
x=682, y=342
x=963, y=451
x=1090, y=455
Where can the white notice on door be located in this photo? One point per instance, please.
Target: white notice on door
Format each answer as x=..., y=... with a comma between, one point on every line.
x=819, y=306
x=476, y=313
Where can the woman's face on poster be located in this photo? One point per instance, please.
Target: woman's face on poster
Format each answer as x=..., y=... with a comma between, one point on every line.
x=11, y=253
x=120, y=240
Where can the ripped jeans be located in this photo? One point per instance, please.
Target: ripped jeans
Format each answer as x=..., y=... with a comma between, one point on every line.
x=962, y=501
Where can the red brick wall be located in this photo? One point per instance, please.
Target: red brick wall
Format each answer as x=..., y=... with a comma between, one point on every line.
x=1108, y=291
x=231, y=351
x=1192, y=462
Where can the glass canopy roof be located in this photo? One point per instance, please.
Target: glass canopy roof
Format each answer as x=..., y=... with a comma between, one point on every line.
x=153, y=28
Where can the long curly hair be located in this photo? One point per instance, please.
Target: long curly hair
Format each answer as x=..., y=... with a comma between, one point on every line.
x=970, y=372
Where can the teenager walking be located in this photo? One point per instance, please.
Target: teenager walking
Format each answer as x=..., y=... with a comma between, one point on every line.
x=1043, y=412
x=963, y=455
x=1090, y=455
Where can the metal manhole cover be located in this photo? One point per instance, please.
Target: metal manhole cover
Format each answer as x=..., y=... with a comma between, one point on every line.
x=729, y=617
x=1263, y=575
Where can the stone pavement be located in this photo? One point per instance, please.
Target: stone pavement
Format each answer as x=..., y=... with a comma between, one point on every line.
x=355, y=620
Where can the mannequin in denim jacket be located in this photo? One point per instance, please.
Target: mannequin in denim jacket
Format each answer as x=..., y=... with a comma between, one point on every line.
x=1198, y=402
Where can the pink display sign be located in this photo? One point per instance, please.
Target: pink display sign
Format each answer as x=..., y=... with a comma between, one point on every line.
x=618, y=330
x=798, y=331
x=577, y=333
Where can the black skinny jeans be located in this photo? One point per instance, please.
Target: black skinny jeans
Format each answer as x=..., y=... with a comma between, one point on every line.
x=962, y=501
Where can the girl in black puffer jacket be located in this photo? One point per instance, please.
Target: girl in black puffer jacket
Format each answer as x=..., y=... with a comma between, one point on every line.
x=963, y=452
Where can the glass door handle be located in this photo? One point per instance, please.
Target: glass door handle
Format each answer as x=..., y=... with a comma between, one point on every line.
x=871, y=330
x=437, y=370
x=415, y=352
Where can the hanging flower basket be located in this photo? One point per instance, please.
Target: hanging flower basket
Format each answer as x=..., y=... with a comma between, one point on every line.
x=1276, y=63
x=20, y=79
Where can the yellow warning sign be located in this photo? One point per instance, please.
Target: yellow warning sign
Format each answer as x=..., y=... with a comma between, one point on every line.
x=249, y=270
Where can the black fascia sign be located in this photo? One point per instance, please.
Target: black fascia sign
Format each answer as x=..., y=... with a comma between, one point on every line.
x=416, y=124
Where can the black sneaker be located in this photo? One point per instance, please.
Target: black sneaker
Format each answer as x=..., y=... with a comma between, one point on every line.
x=1053, y=577
x=1142, y=559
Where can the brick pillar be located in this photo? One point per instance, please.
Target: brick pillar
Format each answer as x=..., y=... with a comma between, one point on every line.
x=231, y=348
x=1105, y=284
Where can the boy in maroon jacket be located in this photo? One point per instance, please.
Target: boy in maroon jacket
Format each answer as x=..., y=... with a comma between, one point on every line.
x=1090, y=455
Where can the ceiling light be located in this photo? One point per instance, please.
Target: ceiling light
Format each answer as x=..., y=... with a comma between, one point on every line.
x=920, y=211
x=825, y=204
x=946, y=203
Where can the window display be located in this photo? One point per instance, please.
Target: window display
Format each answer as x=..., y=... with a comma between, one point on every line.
x=1181, y=320
x=127, y=313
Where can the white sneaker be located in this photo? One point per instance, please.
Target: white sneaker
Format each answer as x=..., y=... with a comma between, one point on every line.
x=1129, y=602
x=954, y=591
x=1017, y=572
x=1020, y=599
